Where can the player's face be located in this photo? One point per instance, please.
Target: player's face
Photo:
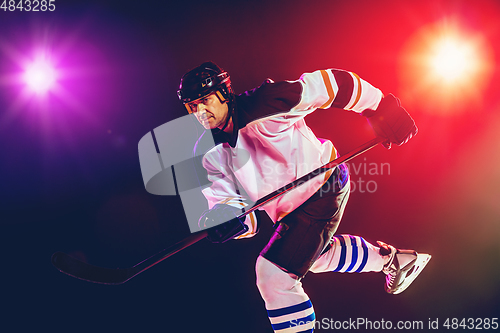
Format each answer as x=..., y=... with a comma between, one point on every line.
x=209, y=111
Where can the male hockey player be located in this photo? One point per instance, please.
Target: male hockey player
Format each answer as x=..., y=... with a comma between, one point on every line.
x=263, y=143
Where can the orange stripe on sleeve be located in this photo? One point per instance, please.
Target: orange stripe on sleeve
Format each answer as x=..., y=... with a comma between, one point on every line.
x=358, y=96
x=329, y=89
x=251, y=230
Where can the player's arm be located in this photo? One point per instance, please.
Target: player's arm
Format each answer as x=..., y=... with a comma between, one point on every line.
x=225, y=203
x=337, y=88
x=346, y=90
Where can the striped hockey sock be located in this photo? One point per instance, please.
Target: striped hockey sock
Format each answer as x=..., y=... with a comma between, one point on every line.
x=288, y=306
x=349, y=254
x=295, y=318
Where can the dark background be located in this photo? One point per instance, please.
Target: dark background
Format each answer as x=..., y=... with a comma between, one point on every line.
x=70, y=178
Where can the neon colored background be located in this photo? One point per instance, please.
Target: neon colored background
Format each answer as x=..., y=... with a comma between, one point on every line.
x=70, y=176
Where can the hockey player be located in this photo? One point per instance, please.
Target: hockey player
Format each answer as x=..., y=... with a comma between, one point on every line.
x=263, y=143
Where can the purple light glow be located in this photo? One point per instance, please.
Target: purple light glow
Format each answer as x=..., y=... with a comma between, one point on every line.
x=40, y=76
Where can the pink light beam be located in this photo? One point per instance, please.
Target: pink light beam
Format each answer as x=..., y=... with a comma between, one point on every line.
x=40, y=76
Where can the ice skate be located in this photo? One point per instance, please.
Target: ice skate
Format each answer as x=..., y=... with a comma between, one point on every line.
x=402, y=268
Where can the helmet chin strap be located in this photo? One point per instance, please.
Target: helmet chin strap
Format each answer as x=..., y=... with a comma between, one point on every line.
x=229, y=115
x=229, y=109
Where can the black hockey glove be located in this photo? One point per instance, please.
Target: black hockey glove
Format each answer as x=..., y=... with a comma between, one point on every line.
x=220, y=233
x=391, y=121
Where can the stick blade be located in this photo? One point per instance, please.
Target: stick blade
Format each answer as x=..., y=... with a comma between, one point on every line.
x=84, y=271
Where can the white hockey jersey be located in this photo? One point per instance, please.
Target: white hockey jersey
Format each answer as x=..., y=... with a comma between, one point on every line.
x=271, y=145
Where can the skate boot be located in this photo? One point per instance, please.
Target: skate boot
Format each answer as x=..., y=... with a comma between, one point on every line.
x=402, y=267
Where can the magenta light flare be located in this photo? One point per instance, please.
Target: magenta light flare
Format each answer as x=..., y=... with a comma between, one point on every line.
x=40, y=76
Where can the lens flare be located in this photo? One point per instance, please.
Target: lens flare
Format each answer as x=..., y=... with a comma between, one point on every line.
x=445, y=68
x=453, y=59
x=40, y=76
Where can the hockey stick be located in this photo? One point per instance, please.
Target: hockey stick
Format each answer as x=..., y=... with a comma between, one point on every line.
x=82, y=270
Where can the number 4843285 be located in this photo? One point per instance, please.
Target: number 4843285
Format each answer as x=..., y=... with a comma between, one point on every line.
x=28, y=5
x=472, y=323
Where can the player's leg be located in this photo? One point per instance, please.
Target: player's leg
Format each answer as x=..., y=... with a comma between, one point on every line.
x=288, y=306
x=347, y=253
x=298, y=241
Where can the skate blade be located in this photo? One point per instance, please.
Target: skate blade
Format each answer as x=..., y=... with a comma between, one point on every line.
x=413, y=272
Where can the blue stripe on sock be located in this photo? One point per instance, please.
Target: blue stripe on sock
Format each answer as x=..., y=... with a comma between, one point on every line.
x=365, y=256
x=342, y=253
x=354, y=253
x=307, y=331
x=294, y=322
x=289, y=309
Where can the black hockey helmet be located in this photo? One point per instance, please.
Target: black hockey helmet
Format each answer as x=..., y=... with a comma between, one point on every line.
x=203, y=80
